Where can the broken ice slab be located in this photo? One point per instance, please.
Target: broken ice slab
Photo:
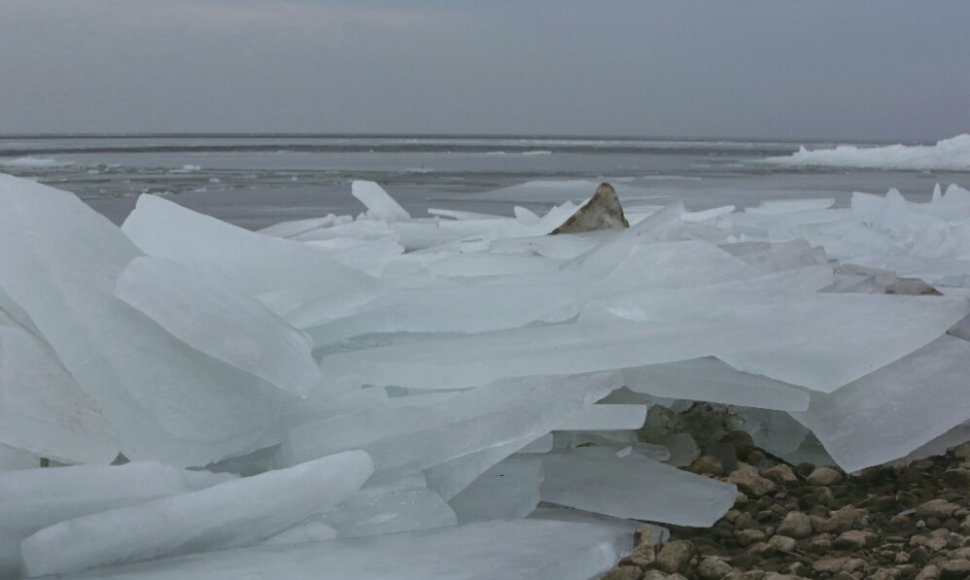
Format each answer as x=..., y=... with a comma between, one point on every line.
x=42, y=410
x=708, y=379
x=606, y=418
x=509, y=490
x=775, y=207
x=167, y=401
x=595, y=479
x=530, y=549
x=230, y=514
x=841, y=337
x=255, y=263
x=31, y=499
x=13, y=459
x=389, y=504
x=379, y=204
x=889, y=413
x=769, y=257
x=205, y=311
x=311, y=531
x=467, y=361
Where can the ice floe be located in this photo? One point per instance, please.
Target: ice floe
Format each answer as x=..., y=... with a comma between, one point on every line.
x=462, y=393
x=952, y=154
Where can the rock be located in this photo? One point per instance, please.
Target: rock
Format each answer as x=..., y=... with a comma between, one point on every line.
x=821, y=543
x=776, y=576
x=602, y=212
x=741, y=441
x=654, y=575
x=706, y=465
x=782, y=543
x=623, y=573
x=884, y=574
x=824, y=476
x=854, y=540
x=752, y=484
x=740, y=498
x=748, y=537
x=643, y=555
x=955, y=569
x=936, y=508
x=676, y=556
x=781, y=473
x=796, y=525
x=929, y=572
x=833, y=565
x=713, y=568
x=841, y=521
x=761, y=549
x=962, y=451
x=844, y=576
x=957, y=477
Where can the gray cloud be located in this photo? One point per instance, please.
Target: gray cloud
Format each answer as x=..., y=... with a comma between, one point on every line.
x=872, y=69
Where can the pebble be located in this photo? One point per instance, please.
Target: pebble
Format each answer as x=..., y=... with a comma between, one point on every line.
x=824, y=476
x=796, y=525
x=955, y=569
x=624, y=573
x=781, y=473
x=929, y=572
x=706, y=465
x=936, y=508
x=748, y=537
x=713, y=568
x=782, y=543
x=676, y=556
x=854, y=540
x=746, y=477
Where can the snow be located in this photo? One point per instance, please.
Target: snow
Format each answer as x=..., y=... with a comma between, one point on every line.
x=443, y=397
x=949, y=154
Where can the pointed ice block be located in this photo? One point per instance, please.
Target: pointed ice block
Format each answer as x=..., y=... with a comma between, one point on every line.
x=379, y=204
x=531, y=549
x=231, y=514
x=256, y=263
x=60, y=261
x=205, y=311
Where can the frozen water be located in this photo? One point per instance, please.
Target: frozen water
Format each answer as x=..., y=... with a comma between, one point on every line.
x=60, y=261
x=509, y=490
x=708, y=379
x=379, y=204
x=205, y=311
x=595, y=479
x=42, y=409
x=257, y=264
x=230, y=514
x=31, y=499
x=952, y=153
x=512, y=550
x=606, y=418
x=893, y=411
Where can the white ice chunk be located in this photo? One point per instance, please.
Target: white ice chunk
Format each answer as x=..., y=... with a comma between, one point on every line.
x=606, y=418
x=256, y=263
x=379, y=204
x=60, y=261
x=31, y=499
x=42, y=409
x=397, y=502
x=206, y=312
x=708, y=379
x=231, y=514
x=888, y=414
x=507, y=491
x=594, y=479
x=313, y=531
x=952, y=153
x=512, y=550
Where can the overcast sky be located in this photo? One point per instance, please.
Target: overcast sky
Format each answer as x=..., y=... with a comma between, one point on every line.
x=878, y=69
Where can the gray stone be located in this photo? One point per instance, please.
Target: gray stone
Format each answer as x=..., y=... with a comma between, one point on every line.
x=654, y=575
x=936, y=508
x=929, y=572
x=643, y=555
x=602, y=212
x=623, y=573
x=841, y=521
x=834, y=565
x=962, y=451
x=747, y=537
x=676, y=556
x=713, y=568
x=781, y=473
x=796, y=525
x=955, y=569
x=824, y=476
x=782, y=543
x=706, y=465
x=854, y=540
x=750, y=482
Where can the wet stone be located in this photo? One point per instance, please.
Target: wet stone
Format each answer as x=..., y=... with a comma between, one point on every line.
x=796, y=525
x=675, y=556
x=824, y=476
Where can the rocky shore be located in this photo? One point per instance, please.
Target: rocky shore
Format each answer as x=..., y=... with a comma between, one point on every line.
x=805, y=521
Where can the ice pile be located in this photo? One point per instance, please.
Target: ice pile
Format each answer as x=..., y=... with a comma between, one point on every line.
x=946, y=154
x=315, y=401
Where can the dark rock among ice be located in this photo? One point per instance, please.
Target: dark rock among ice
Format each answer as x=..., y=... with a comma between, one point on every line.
x=602, y=212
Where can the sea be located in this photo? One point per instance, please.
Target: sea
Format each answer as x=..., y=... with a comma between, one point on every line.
x=257, y=180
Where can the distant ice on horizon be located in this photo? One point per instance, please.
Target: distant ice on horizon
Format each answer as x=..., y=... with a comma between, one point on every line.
x=947, y=154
